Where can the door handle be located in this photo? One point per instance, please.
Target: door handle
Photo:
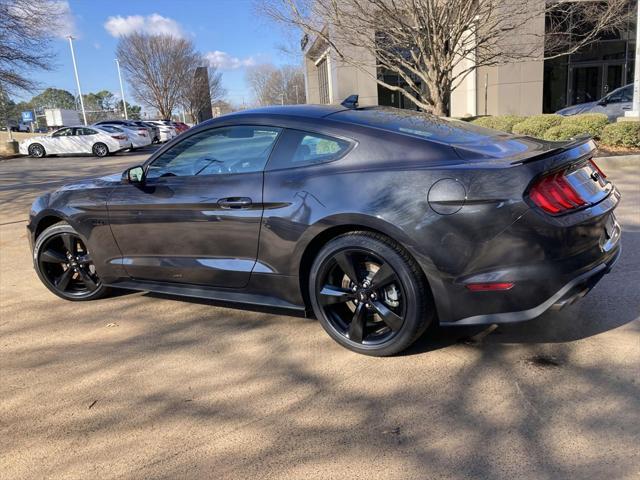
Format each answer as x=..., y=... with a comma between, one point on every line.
x=626, y=108
x=234, y=203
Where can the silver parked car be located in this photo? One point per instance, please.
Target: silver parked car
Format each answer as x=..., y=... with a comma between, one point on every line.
x=612, y=105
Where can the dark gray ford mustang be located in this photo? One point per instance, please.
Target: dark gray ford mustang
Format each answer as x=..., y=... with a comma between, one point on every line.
x=379, y=221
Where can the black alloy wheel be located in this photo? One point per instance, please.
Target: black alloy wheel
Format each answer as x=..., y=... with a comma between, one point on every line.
x=100, y=150
x=64, y=264
x=369, y=295
x=36, y=151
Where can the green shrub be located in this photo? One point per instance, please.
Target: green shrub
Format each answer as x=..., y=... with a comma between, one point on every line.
x=504, y=123
x=621, y=134
x=537, y=125
x=590, y=123
x=563, y=132
x=487, y=122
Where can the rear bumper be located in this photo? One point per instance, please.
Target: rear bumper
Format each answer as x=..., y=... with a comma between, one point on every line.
x=572, y=291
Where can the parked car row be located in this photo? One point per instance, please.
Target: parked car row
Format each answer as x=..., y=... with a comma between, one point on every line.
x=102, y=138
x=79, y=139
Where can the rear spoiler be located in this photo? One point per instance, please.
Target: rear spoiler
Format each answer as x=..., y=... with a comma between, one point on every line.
x=572, y=150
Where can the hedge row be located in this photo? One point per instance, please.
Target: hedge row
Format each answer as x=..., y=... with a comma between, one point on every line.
x=504, y=123
x=556, y=127
x=622, y=134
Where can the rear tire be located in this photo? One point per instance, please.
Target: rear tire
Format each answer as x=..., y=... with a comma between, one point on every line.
x=100, y=150
x=369, y=294
x=36, y=150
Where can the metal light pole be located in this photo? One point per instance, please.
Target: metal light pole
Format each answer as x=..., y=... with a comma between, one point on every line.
x=75, y=70
x=124, y=103
x=635, y=109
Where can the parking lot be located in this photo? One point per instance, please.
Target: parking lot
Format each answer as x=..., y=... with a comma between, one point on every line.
x=143, y=386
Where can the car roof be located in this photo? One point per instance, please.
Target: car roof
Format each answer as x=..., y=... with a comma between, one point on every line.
x=620, y=88
x=304, y=110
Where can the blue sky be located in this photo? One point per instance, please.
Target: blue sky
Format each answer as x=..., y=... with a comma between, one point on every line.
x=228, y=32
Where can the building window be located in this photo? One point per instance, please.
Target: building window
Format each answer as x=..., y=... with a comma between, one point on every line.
x=323, y=81
x=592, y=72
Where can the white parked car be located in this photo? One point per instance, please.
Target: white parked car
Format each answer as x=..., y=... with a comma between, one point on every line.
x=166, y=132
x=138, y=136
x=78, y=139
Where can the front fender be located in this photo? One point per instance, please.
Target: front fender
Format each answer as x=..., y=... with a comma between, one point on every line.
x=86, y=211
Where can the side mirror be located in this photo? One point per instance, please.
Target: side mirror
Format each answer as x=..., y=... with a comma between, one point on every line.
x=133, y=175
x=602, y=102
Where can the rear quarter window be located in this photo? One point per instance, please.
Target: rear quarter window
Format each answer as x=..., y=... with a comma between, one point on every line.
x=299, y=148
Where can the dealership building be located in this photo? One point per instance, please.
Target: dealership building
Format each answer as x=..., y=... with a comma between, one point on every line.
x=520, y=88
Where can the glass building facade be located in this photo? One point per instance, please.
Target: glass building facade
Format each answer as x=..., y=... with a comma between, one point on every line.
x=591, y=73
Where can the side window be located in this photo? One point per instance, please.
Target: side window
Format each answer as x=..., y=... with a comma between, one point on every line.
x=239, y=149
x=622, y=95
x=299, y=148
x=64, y=132
x=615, y=97
x=85, y=131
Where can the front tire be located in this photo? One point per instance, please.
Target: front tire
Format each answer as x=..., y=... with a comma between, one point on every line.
x=36, y=150
x=100, y=150
x=64, y=264
x=369, y=294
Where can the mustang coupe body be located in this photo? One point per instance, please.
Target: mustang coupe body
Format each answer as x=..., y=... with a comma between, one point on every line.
x=379, y=221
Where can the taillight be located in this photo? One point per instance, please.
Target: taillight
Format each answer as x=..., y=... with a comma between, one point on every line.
x=142, y=132
x=119, y=137
x=555, y=195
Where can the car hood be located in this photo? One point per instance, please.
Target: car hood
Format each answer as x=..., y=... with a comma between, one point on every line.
x=575, y=109
x=90, y=183
x=39, y=138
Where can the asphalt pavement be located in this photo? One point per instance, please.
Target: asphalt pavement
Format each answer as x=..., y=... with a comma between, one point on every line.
x=142, y=386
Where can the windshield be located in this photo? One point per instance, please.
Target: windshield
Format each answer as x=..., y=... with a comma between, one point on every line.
x=110, y=129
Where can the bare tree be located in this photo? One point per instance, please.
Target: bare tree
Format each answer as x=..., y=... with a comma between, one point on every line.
x=157, y=68
x=433, y=45
x=197, y=96
x=26, y=30
x=276, y=85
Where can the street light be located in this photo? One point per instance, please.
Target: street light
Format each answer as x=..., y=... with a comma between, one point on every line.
x=635, y=110
x=75, y=70
x=124, y=104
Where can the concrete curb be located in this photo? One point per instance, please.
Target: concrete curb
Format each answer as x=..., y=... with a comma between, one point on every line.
x=6, y=157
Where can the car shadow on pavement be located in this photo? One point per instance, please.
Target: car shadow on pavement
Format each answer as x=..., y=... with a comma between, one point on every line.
x=223, y=304
x=143, y=387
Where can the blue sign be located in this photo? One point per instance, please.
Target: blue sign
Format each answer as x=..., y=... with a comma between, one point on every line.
x=28, y=117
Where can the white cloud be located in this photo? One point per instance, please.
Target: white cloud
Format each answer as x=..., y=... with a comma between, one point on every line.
x=62, y=22
x=224, y=61
x=154, y=24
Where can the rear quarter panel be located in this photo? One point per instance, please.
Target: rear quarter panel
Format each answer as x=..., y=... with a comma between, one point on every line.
x=383, y=184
